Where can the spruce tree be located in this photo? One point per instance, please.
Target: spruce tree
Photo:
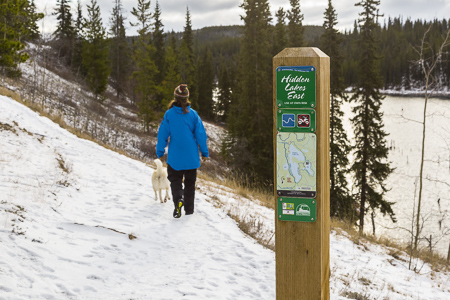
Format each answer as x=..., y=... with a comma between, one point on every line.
x=158, y=42
x=119, y=50
x=77, y=59
x=172, y=76
x=280, y=39
x=173, y=42
x=296, y=29
x=145, y=67
x=18, y=23
x=159, y=56
x=224, y=96
x=370, y=166
x=95, y=51
x=205, y=86
x=31, y=22
x=143, y=15
x=65, y=31
x=341, y=204
x=187, y=59
x=250, y=121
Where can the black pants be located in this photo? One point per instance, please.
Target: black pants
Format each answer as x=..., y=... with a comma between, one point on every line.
x=176, y=184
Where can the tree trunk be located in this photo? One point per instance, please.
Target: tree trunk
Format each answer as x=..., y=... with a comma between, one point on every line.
x=416, y=238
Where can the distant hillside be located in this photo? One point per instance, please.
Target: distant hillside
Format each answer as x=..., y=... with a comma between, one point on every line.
x=217, y=33
x=226, y=40
x=214, y=33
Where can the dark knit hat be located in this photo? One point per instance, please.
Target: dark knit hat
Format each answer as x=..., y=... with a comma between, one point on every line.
x=181, y=92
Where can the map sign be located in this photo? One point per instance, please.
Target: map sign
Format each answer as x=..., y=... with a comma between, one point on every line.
x=296, y=87
x=296, y=164
x=296, y=209
x=296, y=120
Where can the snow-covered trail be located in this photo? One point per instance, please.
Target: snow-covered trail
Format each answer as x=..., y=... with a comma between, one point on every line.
x=72, y=228
x=69, y=206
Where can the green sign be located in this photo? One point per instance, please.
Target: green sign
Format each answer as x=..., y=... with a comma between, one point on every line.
x=296, y=164
x=297, y=209
x=296, y=120
x=296, y=87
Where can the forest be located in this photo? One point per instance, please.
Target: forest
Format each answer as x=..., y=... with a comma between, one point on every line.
x=229, y=73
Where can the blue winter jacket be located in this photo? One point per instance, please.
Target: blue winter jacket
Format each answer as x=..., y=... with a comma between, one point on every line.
x=187, y=135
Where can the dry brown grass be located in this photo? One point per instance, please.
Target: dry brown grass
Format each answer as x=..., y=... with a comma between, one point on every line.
x=396, y=250
x=8, y=93
x=56, y=118
x=253, y=193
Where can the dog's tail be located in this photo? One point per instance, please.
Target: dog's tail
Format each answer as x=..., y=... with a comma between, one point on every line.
x=158, y=163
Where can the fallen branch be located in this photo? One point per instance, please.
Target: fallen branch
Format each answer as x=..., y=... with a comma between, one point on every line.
x=130, y=235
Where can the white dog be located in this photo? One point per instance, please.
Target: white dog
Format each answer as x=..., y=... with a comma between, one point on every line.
x=160, y=181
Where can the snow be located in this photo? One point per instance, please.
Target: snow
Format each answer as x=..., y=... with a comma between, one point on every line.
x=69, y=207
x=402, y=117
x=64, y=248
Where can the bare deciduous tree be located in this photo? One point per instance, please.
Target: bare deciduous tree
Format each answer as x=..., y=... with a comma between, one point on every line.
x=428, y=60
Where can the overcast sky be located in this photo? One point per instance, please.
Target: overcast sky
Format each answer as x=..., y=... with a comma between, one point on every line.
x=227, y=12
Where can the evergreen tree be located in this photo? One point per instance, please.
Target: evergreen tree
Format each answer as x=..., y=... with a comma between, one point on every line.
x=33, y=18
x=370, y=165
x=18, y=22
x=250, y=121
x=120, y=52
x=341, y=203
x=77, y=60
x=186, y=58
x=145, y=67
x=280, y=39
x=95, y=51
x=172, y=77
x=205, y=79
x=143, y=15
x=173, y=42
x=396, y=38
x=65, y=31
x=158, y=42
x=224, y=91
x=296, y=29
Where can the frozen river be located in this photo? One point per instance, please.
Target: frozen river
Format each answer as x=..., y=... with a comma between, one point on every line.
x=402, y=120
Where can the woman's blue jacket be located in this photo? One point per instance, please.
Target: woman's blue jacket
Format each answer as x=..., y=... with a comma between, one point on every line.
x=187, y=134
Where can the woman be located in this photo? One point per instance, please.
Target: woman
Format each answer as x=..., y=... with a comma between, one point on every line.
x=187, y=134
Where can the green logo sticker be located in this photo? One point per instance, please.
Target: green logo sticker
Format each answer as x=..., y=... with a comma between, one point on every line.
x=297, y=209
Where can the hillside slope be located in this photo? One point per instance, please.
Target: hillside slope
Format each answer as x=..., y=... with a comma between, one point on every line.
x=70, y=210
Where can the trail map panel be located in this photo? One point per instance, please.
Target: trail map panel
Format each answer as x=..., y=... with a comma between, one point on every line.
x=296, y=164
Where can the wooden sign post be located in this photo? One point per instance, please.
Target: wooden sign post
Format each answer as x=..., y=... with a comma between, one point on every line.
x=301, y=112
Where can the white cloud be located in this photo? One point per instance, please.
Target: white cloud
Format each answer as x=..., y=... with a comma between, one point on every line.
x=227, y=12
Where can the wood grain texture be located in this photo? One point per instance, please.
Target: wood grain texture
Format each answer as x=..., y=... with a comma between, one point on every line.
x=302, y=250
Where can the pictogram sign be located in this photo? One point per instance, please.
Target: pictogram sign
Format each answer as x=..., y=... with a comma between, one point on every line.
x=296, y=120
x=303, y=121
x=288, y=120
